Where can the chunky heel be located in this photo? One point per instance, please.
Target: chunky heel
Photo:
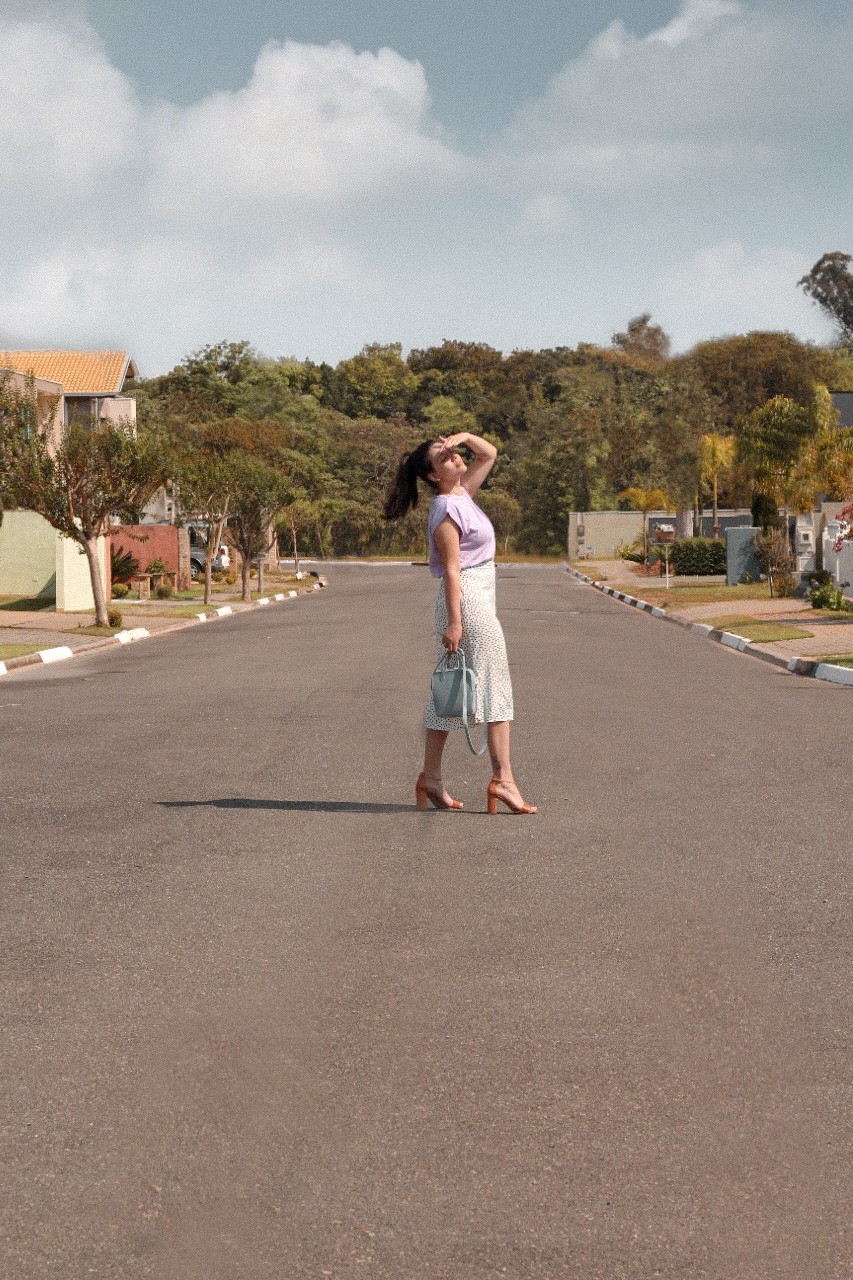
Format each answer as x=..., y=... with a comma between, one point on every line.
x=426, y=796
x=492, y=798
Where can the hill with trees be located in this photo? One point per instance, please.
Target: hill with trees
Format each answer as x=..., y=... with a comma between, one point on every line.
x=577, y=427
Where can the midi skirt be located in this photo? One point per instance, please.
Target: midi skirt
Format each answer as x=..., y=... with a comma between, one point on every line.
x=482, y=643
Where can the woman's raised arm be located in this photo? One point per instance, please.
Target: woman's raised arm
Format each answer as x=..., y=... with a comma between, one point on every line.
x=484, y=458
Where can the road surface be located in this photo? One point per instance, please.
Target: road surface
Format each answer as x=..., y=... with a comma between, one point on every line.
x=266, y=1021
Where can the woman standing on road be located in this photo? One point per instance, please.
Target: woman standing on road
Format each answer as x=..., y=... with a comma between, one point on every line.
x=462, y=555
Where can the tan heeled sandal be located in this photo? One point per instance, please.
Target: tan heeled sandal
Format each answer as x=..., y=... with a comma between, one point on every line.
x=493, y=796
x=426, y=795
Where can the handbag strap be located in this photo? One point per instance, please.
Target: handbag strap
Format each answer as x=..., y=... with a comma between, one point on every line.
x=465, y=725
x=446, y=663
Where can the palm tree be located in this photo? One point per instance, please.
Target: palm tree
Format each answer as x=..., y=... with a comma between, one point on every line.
x=646, y=500
x=717, y=457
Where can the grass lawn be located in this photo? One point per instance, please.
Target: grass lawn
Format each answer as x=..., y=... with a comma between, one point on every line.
x=26, y=604
x=18, y=650
x=757, y=630
x=837, y=659
x=686, y=597
x=94, y=630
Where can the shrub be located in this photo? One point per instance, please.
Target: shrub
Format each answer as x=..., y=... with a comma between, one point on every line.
x=827, y=596
x=164, y=589
x=819, y=578
x=784, y=585
x=699, y=556
x=776, y=558
x=157, y=566
x=120, y=590
x=123, y=565
x=114, y=618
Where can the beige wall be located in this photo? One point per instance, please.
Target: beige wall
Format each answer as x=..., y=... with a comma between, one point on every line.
x=35, y=560
x=27, y=555
x=50, y=402
x=118, y=409
x=73, y=580
x=604, y=531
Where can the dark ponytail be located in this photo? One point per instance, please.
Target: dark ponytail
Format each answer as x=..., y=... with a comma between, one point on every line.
x=403, y=493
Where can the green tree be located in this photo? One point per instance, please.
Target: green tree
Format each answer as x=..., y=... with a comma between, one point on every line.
x=717, y=460
x=645, y=500
x=830, y=285
x=79, y=483
x=503, y=510
x=444, y=417
x=769, y=443
x=205, y=489
x=643, y=342
x=742, y=373
x=376, y=383
x=260, y=493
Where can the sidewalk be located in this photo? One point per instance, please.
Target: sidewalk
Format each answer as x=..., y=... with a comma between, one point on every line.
x=47, y=629
x=830, y=636
x=45, y=632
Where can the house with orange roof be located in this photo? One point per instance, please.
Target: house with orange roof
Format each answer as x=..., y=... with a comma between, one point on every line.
x=71, y=387
x=91, y=381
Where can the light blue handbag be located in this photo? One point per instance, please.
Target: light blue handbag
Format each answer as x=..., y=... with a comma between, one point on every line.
x=454, y=694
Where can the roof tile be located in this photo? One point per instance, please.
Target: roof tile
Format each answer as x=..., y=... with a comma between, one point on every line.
x=94, y=373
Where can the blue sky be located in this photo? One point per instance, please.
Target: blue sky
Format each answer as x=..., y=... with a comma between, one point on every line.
x=315, y=179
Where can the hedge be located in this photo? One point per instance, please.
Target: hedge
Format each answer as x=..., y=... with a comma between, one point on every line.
x=698, y=556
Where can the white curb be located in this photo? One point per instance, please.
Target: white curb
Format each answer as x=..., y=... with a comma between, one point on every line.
x=2, y=668
x=292, y=594
x=279, y=596
x=202, y=617
x=263, y=600
x=135, y=633
x=224, y=610
x=733, y=641
x=835, y=675
x=56, y=655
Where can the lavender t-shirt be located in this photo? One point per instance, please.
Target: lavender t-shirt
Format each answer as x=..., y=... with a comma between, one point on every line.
x=476, y=534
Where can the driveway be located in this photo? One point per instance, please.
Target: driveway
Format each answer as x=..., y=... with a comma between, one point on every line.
x=267, y=1021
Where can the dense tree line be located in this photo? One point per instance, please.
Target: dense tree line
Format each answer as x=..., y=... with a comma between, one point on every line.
x=577, y=426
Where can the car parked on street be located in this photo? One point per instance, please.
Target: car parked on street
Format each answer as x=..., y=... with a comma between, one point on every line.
x=197, y=530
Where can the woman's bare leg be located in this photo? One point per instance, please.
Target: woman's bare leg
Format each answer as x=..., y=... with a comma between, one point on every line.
x=433, y=753
x=501, y=764
x=436, y=739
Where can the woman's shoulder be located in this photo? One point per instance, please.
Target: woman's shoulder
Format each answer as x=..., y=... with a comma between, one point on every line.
x=447, y=504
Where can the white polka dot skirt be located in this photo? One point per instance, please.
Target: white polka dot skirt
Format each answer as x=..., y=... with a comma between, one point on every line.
x=482, y=643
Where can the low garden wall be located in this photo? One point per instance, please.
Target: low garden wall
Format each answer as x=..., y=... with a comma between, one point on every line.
x=146, y=542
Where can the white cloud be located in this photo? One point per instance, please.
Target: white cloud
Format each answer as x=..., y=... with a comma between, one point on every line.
x=66, y=114
x=313, y=125
x=320, y=206
x=729, y=288
x=723, y=88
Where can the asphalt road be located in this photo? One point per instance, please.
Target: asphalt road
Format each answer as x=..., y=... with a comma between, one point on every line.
x=265, y=1020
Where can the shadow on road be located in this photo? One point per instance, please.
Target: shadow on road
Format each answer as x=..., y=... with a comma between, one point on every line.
x=294, y=806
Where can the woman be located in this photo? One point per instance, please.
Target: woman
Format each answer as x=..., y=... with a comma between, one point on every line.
x=461, y=554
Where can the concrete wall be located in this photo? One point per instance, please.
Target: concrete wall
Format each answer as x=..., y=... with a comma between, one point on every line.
x=604, y=531
x=598, y=533
x=167, y=542
x=73, y=580
x=741, y=556
x=27, y=556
